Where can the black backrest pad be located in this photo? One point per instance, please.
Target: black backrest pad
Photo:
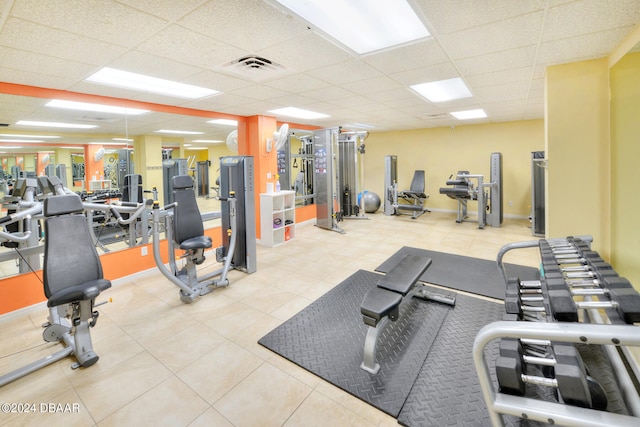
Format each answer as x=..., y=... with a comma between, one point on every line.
x=417, y=183
x=405, y=274
x=187, y=222
x=70, y=257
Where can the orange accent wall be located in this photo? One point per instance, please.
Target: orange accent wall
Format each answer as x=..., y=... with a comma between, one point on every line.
x=26, y=289
x=305, y=213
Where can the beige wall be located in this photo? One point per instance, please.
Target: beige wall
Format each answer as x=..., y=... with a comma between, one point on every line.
x=444, y=151
x=577, y=146
x=625, y=173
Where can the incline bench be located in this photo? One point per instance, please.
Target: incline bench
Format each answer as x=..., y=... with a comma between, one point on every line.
x=382, y=302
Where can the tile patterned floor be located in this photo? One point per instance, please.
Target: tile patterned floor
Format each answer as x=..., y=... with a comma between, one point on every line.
x=163, y=362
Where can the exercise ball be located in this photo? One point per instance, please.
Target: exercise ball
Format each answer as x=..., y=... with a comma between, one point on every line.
x=371, y=202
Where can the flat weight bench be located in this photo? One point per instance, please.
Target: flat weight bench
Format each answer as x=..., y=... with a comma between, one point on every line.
x=382, y=303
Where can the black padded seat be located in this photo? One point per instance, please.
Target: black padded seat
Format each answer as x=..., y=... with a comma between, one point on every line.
x=417, y=186
x=458, y=188
x=379, y=303
x=72, y=270
x=188, y=231
x=405, y=274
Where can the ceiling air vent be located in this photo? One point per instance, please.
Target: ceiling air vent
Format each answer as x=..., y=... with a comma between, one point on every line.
x=98, y=119
x=436, y=116
x=254, y=67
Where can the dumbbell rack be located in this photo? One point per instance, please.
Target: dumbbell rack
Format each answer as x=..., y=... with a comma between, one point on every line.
x=579, y=299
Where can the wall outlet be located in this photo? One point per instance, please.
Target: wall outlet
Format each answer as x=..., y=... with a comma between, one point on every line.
x=144, y=251
x=510, y=203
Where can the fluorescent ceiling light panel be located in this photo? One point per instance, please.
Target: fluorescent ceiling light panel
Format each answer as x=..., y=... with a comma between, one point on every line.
x=125, y=79
x=20, y=135
x=298, y=113
x=211, y=141
x=123, y=139
x=54, y=124
x=358, y=126
x=101, y=108
x=107, y=143
x=196, y=148
x=182, y=132
x=443, y=90
x=362, y=25
x=226, y=122
x=469, y=114
x=22, y=140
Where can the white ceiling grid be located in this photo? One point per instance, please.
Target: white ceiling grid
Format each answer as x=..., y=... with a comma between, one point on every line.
x=500, y=48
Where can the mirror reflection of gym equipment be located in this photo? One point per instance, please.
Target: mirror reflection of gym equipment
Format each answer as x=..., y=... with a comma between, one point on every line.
x=487, y=194
x=413, y=198
x=337, y=176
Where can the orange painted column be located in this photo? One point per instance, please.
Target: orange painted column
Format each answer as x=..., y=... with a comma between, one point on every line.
x=252, y=137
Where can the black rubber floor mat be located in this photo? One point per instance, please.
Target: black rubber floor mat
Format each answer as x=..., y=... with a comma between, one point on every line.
x=474, y=275
x=327, y=339
x=447, y=391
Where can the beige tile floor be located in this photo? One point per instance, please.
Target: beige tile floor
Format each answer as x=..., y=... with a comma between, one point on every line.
x=163, y=362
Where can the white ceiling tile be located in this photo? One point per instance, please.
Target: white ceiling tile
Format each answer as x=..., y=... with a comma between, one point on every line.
x=167, y=9
x=505, y=76
x=305, y=52
x=297, y=83
x=218, y=81
x=328, y=94
x=416, y=55
x=502, y=92
x=293, y=100
x=103, y=20
x=136, y=61
x=344, y=72
x=186, y=46
x=590, y=46
x=31, y=37
x=251, y=25
x=495, y=37
x=374, y=84
x=443, y=71
x=499, y=61
x=455, y=15
x=589, y=16
x=34, y=79
x=259, y=92
x=45, y=65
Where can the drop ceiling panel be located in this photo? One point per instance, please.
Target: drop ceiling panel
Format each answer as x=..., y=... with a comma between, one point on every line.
x=454, y=15
x=297, y=83
x=34, y=79
x=502, y=92
x=251, y=25
x=499, y=61
x=169, y=10
x=259, y=92
x=183, y=45
x=495, y=37
x=409, y=57
x=107, y=21
x=140, y=62
x=442, y=71
x=589, y=16
x=505, y=76
x=31, y=37
x=372, y=85
x=345, y=72
x=590, y=46
x=43, y=64
x=329, y=94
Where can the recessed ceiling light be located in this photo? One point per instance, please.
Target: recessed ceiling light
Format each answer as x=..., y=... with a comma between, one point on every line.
x=125, y=79
x=21, y=135
x=358, y=126
x=197, y=148
x=226, y=122
x=85, y=106
x=22, y=140
x=107, y=143
x=443, y=90
x=469, y=114
x=298, y=113
x=123, y=139
x=359, y=25
x=54, y=124
x=211, y=141
x=183, y=132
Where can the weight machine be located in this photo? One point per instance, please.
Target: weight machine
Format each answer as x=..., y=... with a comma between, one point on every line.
x=487, y=194
x=184, y=230
x=336, y=176
x=415, y=196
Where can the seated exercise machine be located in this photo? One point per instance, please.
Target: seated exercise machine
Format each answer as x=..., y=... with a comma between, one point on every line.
x=487, y=194
x=413, y=198
x=572, y=331
x=72, y=280
x=185, y=231
x=381, y=303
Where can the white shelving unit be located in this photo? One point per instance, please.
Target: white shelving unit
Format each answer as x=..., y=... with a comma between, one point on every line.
x=277, y=217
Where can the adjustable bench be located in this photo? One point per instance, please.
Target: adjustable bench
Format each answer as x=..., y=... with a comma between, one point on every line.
x=382, y=302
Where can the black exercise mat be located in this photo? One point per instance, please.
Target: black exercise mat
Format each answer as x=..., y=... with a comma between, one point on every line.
x=474, y=275
x=447, y=391
x=327, y=339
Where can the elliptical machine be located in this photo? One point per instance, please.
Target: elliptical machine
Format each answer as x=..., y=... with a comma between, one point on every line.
x=184, y=230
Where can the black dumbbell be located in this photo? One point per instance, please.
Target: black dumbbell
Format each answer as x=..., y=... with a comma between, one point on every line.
x=575, y=387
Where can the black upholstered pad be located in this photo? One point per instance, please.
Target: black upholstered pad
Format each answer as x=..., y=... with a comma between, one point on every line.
x=84, y=291
x=378, y=303
x=63, y=204
x=200, y=242
x=453, y=192
x=404, y=275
